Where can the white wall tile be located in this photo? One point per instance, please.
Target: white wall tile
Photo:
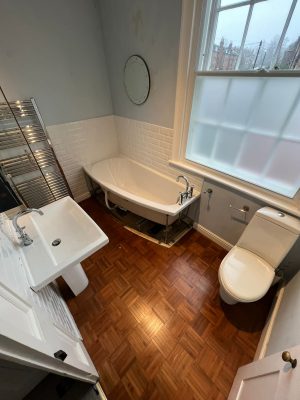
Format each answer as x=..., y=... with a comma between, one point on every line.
x=77, y=144
x=81, y=143
x=149, y=144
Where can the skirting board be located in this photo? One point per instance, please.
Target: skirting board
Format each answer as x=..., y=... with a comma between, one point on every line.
x=212, y=236
x=101, y=392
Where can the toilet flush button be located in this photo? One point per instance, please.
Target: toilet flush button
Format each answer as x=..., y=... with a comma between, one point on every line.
x=280, y=214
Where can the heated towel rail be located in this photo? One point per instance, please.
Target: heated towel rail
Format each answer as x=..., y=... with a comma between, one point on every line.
x=27, y=159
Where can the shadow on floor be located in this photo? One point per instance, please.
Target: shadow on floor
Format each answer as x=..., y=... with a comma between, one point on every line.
x=250, y=317
x=55, y=387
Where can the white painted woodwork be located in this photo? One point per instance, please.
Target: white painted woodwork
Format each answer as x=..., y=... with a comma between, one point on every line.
x=286, y=328
x=192, y=24
x=30, y=333
x=268, y=379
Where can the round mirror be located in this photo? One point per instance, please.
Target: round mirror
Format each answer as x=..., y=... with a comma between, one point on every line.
x=136, y=79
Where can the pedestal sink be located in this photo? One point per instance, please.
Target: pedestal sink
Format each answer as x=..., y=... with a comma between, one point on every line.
x=63, y=237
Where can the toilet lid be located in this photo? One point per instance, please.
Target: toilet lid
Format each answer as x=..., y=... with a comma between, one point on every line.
x=244, y=275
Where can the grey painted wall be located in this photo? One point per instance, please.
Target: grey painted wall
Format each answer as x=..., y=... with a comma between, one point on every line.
x=150, y=29
x=53, y=51
x=216, y=215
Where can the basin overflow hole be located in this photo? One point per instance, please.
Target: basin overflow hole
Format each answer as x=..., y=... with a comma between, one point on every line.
x=56, y=242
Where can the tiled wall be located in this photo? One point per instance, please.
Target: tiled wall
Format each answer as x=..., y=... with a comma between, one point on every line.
x=149, y=144
x=81, y=143
x=77, y=144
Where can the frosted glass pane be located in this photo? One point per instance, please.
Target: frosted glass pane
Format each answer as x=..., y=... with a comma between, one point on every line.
x=210, y=98
x=237, y=112
x=292, y=128
x=274, y=104
x=248, y=127
x=203, y=139
x=264, y=31
x=285, y=163
x=256, y=150
x=227, y=146
x=227, y=41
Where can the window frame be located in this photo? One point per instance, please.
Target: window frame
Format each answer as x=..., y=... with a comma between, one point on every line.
x=194, y=36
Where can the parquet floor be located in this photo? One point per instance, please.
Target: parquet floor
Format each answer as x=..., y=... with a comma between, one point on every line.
x=152, y=320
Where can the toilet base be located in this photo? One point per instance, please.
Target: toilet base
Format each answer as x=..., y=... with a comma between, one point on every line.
x=226, y=297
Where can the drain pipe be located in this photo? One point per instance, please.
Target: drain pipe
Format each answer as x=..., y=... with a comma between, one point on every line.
x=107, y=201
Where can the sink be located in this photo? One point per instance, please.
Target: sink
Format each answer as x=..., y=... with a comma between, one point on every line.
x=63, y=237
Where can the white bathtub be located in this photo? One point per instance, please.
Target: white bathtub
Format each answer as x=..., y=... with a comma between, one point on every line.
x=140, y=189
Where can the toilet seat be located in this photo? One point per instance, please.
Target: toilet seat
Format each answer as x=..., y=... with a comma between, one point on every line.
x=244, y=275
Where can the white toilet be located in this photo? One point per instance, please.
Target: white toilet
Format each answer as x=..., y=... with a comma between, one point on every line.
x=248, y=270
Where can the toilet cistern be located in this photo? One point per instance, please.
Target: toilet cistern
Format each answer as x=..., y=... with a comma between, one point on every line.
x=25, y=238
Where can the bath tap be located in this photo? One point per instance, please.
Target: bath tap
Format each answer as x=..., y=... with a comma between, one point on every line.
x=188, y=190
x=187, y=184
x=26, y=239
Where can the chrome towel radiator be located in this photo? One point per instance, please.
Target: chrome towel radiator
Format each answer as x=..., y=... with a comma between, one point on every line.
x=27, y=159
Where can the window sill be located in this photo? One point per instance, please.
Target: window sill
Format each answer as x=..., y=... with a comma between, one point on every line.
x=287, y=205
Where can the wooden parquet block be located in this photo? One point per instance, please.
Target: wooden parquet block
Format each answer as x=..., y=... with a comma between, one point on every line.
x=151, y=361
x=139, y=340
x=164, y=341
x=152, y=320
x=122, y=358
x=191, y=342
x=163, y=310
x=135, y=381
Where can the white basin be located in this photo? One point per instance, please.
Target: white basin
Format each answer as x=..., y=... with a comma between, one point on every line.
x=79, y=237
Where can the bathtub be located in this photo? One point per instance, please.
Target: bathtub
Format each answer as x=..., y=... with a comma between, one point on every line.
x=140, y=189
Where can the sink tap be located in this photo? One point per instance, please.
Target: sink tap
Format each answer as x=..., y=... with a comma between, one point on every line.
x=26, y=239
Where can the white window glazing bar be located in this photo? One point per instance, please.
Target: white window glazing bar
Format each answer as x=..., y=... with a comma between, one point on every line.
x=283, y=33
x=249, y=16
x=205, y=32
x=212, y=27
x=240, y=4
x=255, y=73
x=297, y=53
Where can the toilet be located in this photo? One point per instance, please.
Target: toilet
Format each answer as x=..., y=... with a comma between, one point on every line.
x=248, y=270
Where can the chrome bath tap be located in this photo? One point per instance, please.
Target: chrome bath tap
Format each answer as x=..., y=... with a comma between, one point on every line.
x=188, y=190
x=25, y=238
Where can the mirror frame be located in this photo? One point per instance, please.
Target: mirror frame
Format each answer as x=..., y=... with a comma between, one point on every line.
x=147, y=88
